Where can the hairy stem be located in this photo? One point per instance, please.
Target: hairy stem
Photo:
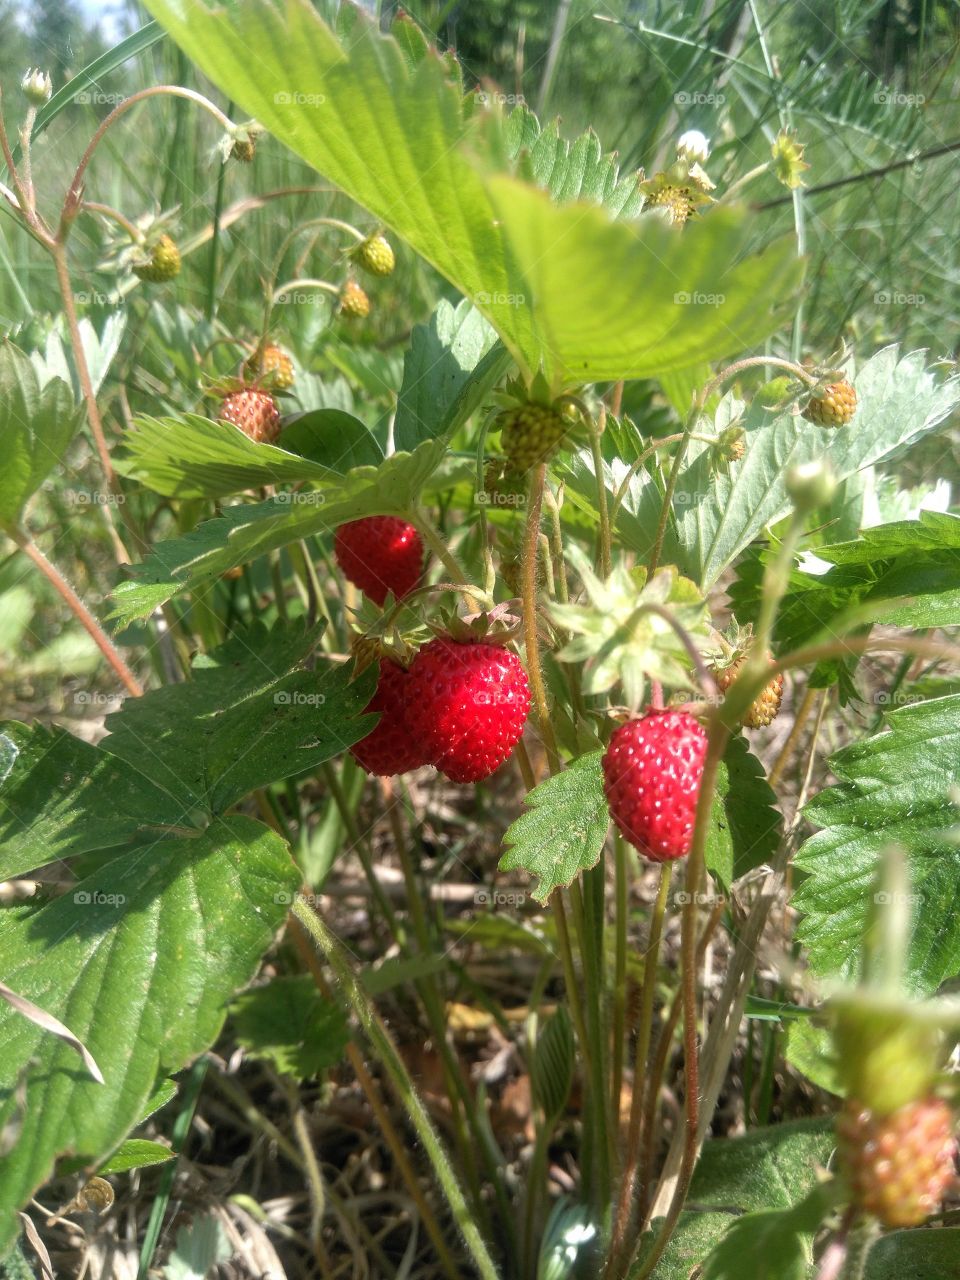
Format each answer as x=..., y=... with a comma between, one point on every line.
x=81, y=612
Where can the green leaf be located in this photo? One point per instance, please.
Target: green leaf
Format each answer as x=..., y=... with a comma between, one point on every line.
x=136, y=1153
x=552, y=1068
x=563, y=829
x=139, y=961
x=577, y=170
x=745, y=827
x=36, y=425
x=290, y=1024
x=810, y=1051
x=774, y=1244
x=242, y=533
x=450, y=365
x=716, y=516
x=47, y=779
x=906, y=574
x=395, y=136
x=192, y=457
x=915, y=1255
x=771, y=1169
x=332, y=439
x=895, y=788
x=251, y=715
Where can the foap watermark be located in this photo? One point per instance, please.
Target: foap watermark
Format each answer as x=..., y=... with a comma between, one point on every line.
x=96, y=898
x=97, y=98
x=493, y=899
x=285, y=99
x=80, y=498
x=91, y=698
x=297, y=698
x=301, y=298
x=890, y=98
x=501, y=299
x=697, y=299
x=302, y=497
x=886, y=899
x=487, y=99
x=287, y=897
x=699, y=99
x=699, y=899
x=491, y=498
x=894, y=298
x=85, y=298
x=896, y=698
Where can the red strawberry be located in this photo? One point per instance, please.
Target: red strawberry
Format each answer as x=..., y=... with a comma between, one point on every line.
x=254, y=412
x=651, y=776
x=389, y=748
x=467, y=703
x=380, y=554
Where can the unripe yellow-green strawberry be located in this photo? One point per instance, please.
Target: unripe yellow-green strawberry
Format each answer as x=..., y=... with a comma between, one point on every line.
x=163, y=263
x=274, y=366
x=375, y=254
x=900, y=1165
x=834, y=406
x=530, y=434
x=765, y=707
x=354, y=301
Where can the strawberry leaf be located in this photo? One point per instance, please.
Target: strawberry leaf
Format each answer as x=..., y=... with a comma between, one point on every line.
x=37, y=423
x=289, y=1024
x=611, y=299
x=895, y=788
x=563, y=829
x=139, y=960
x=244, y=532
x=745, y=826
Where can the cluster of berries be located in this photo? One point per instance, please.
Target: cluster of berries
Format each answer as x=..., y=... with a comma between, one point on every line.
x=461, y=704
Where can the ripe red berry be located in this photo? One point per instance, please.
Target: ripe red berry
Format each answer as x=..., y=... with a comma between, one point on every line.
x=254, y=412
x=900, y=1165
x=651, y=776
x=389, y=748
x=380, y=554
x=467, y=703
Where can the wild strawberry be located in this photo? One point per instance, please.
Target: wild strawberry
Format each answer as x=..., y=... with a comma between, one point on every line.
x=375, y=254
x=467, y=703
x=354, y=302
x=766, y=706
x=162, y=264
x=254, y=412
x=379, y=554
x=389, y=748
x=900, y=1165
x=530, y=434
x=274, y=366
x=832, y=407
x=651, y=777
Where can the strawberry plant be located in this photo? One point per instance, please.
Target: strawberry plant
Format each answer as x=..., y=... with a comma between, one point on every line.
x=574, y=596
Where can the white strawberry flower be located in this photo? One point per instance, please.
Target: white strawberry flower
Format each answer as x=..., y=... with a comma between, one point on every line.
x=693, y=147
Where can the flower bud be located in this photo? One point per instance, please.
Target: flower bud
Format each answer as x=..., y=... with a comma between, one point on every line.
x=693, y=147
x=37, y=87
x=811, y=485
